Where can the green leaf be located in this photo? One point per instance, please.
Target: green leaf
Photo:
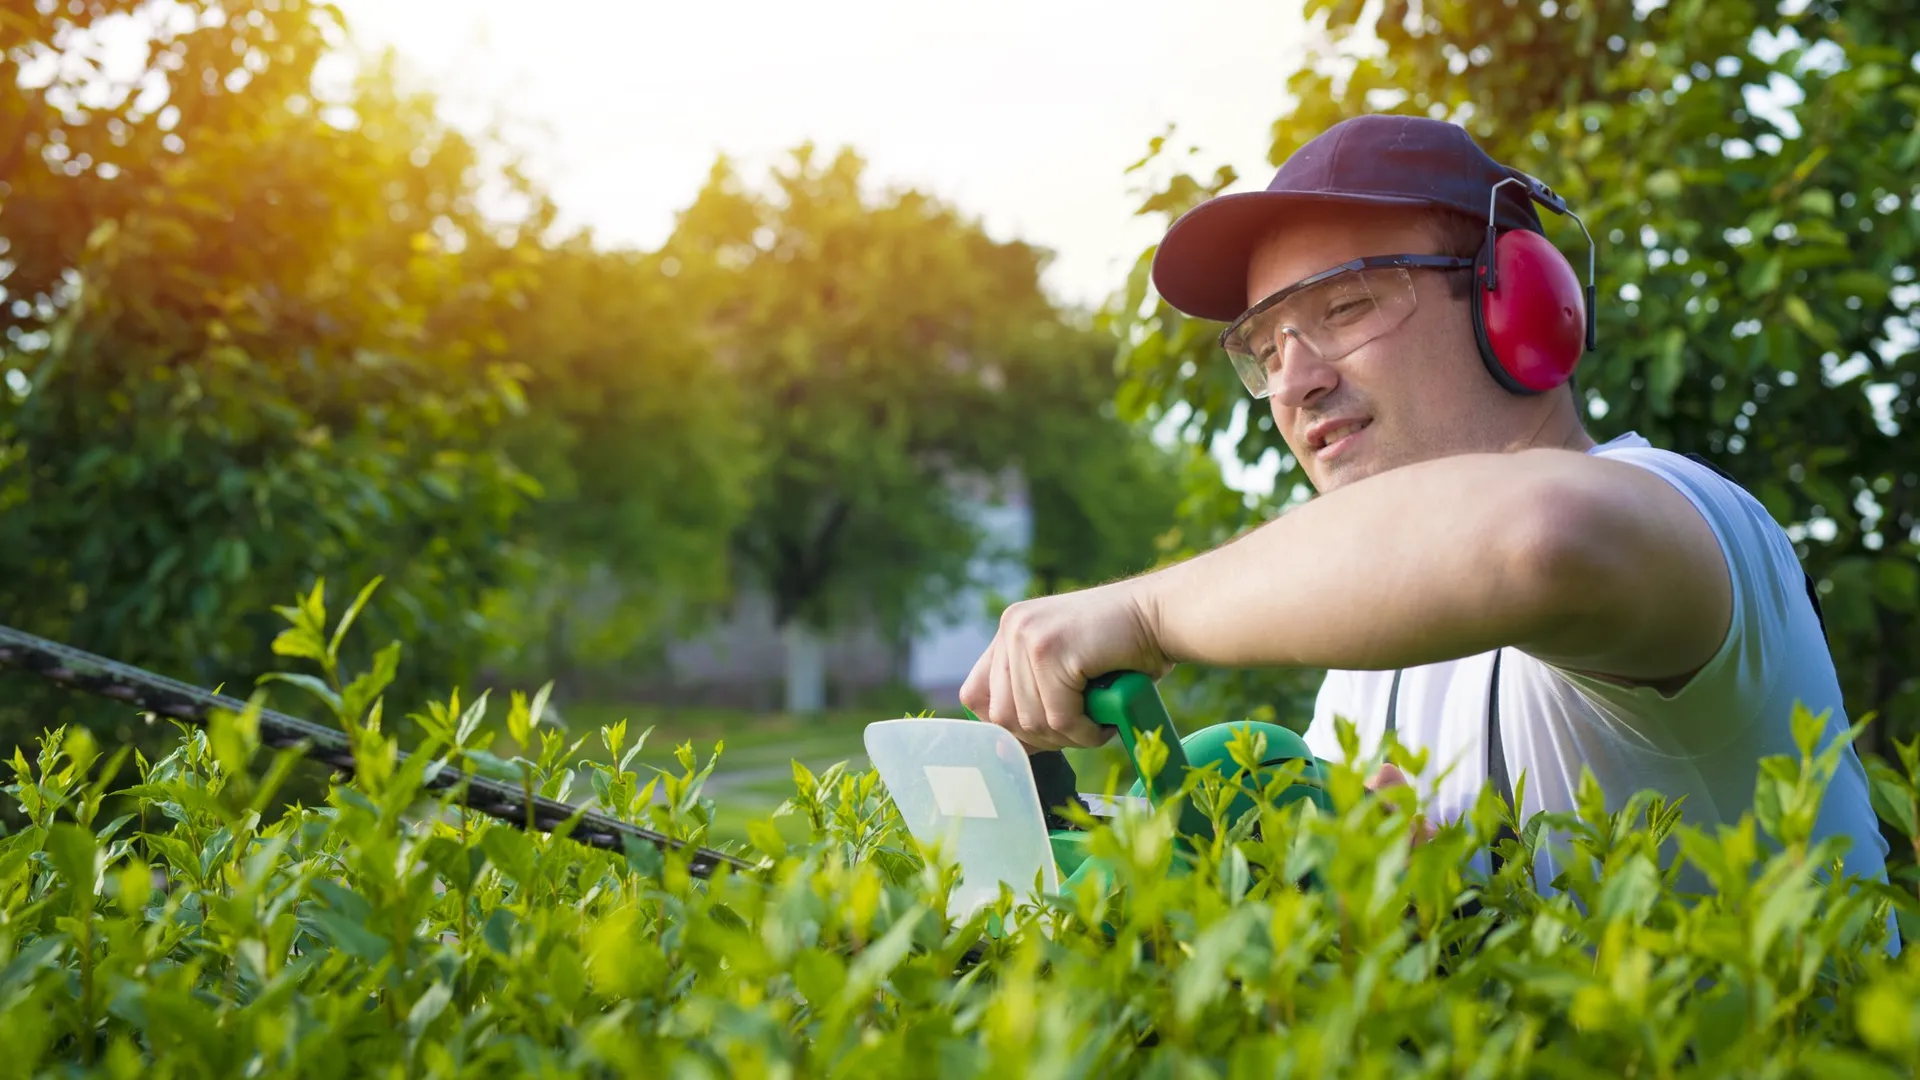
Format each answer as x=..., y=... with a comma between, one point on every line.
x=1761, y=276
x=213, y=852
x=239, y=560
x=234, y=737
x=457, y=864
x=346, y=620
x=34, y=958
x=881, y=957
x=313, y=606
x=803, y=780
x=511, y=852
x=1891, y=793
x=76, y=858
x=366, y=687
x=1817, y=201
x=135, y=886
x=1630, y=890
x=1889, y=1020
x=1802, y=316
x=520, y=721
x=498, y=931
x=1203, y=978
x=344, y=899
x=428, y=1007
x=566, y=976
x=312, y=685
x=819, y=976
x=1834, y=1063
x=349, y=936
x=469, y=721
x=299, y=641
x=17, y=851
x=1663, y=184
x=1897, y=584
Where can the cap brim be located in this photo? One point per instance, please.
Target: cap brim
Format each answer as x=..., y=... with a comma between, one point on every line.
x=1201, y=265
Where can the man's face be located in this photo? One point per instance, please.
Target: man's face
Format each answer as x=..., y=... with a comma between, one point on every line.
x=1416, y=392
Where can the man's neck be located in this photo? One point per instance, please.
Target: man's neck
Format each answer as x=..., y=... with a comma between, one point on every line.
x=1559, y=429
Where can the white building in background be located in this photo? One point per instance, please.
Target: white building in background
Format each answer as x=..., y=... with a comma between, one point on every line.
x=745, y=662
x=939, y=658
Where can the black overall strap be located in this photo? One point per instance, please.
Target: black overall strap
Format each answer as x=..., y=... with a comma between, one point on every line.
x=1497, y=758
x=1495, y=745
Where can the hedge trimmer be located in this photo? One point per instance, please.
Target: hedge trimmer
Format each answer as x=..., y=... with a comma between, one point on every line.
x=973, y=788
x=158, y=694
x=964, y=784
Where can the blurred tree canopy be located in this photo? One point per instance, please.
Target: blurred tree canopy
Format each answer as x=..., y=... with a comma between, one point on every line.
x=1747, y=172
x=1104, y=497
x=644, y=457
x=869, y=337
x=260, y=330
x=253, y=338
x=900, y=365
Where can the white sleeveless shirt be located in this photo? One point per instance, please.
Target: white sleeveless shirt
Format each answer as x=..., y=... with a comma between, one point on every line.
x=1704, y=742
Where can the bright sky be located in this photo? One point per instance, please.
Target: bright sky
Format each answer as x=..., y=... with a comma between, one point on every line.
x=1023, y=112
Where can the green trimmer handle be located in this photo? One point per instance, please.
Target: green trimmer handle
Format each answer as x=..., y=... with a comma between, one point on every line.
x=1129, y=701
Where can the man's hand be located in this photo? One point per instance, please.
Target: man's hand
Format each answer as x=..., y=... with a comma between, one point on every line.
x=1032, y=679
x=1389, y=775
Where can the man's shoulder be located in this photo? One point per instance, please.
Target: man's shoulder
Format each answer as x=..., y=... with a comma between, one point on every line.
x=1776, y=625
x=1739, y=520
x=1697, y=470
x=1692, y=472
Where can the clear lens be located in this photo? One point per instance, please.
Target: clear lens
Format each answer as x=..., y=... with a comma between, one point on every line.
x=1330, y=319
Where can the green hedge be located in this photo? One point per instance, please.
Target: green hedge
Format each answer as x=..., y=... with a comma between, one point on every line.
x=157, y=924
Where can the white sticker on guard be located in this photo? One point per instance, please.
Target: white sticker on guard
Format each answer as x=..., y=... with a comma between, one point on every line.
x=960, y=791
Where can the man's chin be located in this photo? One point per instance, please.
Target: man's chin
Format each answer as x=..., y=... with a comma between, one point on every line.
x=1330, y=476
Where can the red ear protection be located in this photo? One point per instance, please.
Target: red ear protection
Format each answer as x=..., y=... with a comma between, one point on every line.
x=1529, y=316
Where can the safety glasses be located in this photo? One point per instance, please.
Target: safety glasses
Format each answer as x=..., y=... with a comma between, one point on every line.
x=1331, y=313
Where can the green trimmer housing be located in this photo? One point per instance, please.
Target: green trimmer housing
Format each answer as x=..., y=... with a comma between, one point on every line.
x=1129, y=701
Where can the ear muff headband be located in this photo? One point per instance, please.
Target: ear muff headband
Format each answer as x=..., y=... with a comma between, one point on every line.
x=1530, y=317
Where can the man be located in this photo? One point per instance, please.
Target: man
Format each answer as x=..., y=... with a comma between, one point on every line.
x=1475, y=571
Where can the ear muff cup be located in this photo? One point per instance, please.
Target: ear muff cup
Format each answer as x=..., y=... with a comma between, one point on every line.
x=1532, y=325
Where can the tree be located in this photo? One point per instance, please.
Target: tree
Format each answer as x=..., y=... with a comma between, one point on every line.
x=876, y=340
x=642, y=452
x=1756, y=260
x=256, y=341
x=1103, y=494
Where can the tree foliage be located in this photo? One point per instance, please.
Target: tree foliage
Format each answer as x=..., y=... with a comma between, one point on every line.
x=643, y=452
x=258, y=343
x=1746, y=170
x=259, y=331
x=1103, y=494
x=880, y=342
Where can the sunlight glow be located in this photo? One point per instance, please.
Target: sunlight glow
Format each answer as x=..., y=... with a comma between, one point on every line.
x=1026, y=115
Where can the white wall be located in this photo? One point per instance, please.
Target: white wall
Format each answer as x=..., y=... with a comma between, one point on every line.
x=941, y=656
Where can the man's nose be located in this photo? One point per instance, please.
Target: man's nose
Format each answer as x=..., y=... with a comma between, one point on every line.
x=1303, y=375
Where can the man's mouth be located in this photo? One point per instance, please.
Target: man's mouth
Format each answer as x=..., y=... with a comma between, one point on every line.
x=1330, y=439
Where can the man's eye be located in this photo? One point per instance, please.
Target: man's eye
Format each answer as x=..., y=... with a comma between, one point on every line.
x=1349, y=309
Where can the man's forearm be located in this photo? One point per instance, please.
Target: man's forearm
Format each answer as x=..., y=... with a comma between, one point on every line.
x=1416, y=565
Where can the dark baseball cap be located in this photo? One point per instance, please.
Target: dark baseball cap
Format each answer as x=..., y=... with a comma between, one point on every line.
x=1374, y=160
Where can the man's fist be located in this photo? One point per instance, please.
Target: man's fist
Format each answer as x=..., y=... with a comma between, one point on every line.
x=1389, y=775
x=1032, y=679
